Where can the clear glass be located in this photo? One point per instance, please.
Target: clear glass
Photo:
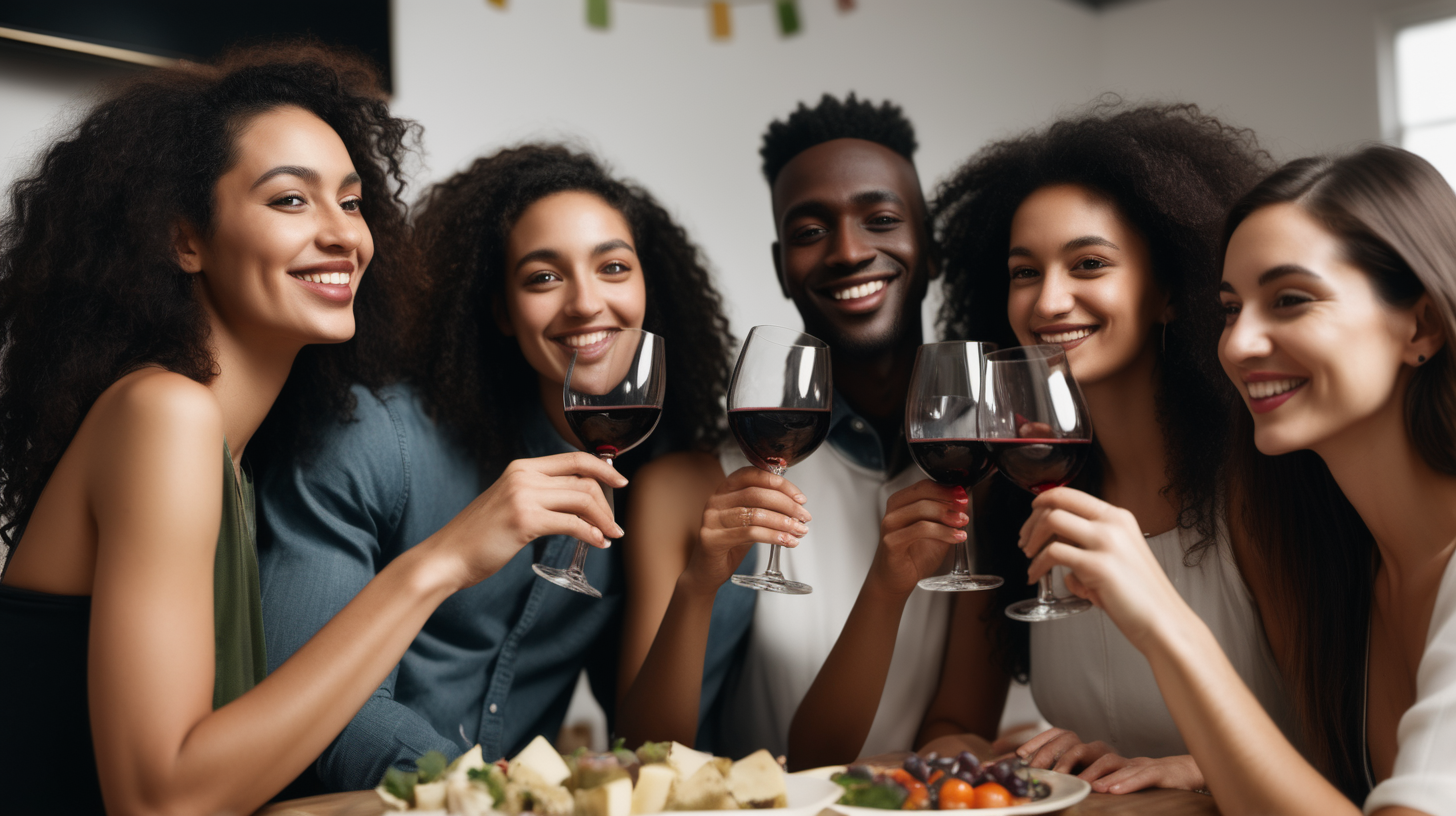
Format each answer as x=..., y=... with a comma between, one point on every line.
x=1035, y=426
x=613, y=400
x=942, y=425
x=778, y=410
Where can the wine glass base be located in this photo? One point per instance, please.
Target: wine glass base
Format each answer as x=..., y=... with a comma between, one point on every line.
x=1035, y=611
x=770, y=583
x=960, y=583
x=575, y=581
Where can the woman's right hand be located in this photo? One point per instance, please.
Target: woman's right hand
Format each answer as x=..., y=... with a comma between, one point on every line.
x=750, y=505
x=921, y=523
x=549, y=495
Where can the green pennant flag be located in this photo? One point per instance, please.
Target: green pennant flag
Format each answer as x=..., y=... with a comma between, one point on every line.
x=596, y=14
x=788, y=17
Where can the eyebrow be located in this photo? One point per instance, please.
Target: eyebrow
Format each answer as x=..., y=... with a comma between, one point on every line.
x=860, y=199
x=1075, y=243
x=1274, y=274
x=615, y=243
x=308, y=174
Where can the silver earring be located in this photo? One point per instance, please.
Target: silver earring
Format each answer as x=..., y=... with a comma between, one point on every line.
x=1420, y=359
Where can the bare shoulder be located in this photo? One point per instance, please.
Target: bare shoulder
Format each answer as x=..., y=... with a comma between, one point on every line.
x=680, y=474
x=156, y=401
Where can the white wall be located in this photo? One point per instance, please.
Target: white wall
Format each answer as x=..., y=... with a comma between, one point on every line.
x=683, y=114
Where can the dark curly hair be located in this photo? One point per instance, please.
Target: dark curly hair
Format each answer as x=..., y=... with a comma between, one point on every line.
x=472, y=376
x=90, y=283
x=832, y=119
x=1172, y=172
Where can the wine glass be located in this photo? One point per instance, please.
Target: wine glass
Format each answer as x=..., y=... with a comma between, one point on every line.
x=1036, y=429
x=613, y=399
x=778, y=410
x=942, y=425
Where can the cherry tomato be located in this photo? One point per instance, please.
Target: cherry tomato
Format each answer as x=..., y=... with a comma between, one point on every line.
x=957, y=794
x=992, y=795
x=917, y=797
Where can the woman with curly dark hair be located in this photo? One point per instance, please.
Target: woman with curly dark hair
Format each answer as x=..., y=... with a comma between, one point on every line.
x=1100, y=233
x=179, y=281
x=533, y=253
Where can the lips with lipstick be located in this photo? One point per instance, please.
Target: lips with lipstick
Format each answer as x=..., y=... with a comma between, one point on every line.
x=330, y=279
x=1068, y=337
x=1268, y=391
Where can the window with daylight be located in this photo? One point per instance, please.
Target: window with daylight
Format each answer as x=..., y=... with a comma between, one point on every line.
x=1425, y=92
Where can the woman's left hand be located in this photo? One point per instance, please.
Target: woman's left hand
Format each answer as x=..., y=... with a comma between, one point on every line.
x=1110, y=562
x=1116, y=774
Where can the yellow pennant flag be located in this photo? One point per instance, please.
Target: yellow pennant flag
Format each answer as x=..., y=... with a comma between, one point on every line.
x=722, y=14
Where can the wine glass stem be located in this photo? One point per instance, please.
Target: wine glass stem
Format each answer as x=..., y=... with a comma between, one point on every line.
x=773, y=553
x=962, y=558
x=578, y=559
x=1044, y=590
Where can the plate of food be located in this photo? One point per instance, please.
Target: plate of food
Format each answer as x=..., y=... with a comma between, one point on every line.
x=1003, y=788
x=656, y=778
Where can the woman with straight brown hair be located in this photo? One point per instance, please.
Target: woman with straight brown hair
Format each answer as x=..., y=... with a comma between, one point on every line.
x=1339, y=290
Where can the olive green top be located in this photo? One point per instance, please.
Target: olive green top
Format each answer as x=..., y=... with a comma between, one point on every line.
x=237, y=599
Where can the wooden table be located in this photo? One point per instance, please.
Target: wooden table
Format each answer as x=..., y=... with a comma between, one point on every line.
x=1160, y=802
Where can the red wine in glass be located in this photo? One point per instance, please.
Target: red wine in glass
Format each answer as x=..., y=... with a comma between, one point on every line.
x=778, y=438
x=612, y=429
x=1038, y=465
x=612, y=401
x=959, y=462
x=778, y=410
x=1037, y=431
x=942, y=427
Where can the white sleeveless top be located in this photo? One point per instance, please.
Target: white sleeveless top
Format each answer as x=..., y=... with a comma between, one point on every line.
x=792, y=635
x=1088, y=678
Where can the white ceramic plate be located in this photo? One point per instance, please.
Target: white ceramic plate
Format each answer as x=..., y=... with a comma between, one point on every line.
x=1066, y=791
x=807, y=796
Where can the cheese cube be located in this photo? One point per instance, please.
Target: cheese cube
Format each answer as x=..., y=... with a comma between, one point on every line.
x=654, y=786
x=540, y=757
x=756, y=781
x=611, y=799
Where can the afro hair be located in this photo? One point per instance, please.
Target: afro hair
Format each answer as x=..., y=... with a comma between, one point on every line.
x=831, y=119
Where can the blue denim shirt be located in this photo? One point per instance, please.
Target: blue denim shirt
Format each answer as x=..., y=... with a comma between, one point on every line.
x=855, y=437
x=496, y=663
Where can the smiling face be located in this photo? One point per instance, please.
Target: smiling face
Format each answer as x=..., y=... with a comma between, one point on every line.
x=572, y=281
x=852, y=249
x=1312, y=348
x=288, y=243
x=1082, y=277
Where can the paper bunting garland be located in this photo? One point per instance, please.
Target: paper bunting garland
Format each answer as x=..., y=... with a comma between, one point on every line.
x=788, y=17
x=720, y=15
x=596, y=14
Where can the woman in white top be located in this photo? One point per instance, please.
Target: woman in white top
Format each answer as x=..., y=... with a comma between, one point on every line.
x=1100, y=233
x=1339, y=290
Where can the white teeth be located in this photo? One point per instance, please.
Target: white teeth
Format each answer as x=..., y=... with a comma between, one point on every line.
x=1065, y=337
x=579, y=340
x=335, y=278
x=863, y=290
x=1273, y=388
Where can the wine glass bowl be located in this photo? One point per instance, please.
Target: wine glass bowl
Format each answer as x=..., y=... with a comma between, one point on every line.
x=613, y=400
x=779, y=405
x=1036, y=430
x=942, y=422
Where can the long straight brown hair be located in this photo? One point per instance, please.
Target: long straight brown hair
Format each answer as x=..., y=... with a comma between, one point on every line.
x=1396, y=218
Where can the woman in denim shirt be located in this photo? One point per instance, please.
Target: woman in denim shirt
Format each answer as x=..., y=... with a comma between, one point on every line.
x=531, y=253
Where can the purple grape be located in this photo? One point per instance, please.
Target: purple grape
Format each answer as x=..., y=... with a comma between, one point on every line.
x=917, y=767
x=1017, y=786
x=968, y=762
x=860, y=772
